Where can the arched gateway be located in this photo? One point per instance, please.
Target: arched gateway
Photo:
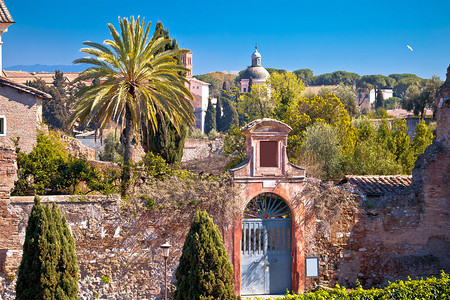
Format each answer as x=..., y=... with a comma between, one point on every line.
x=266, y=239
x=266, y=246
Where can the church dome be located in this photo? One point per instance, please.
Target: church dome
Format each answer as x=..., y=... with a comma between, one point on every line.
x=257, y=73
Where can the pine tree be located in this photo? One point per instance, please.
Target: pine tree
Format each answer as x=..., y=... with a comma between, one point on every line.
x=219, y=114
x=59, y=81
x=49, y=268
x=205, y=271
x=210, y=118
x=379, y=101
x=230, y=116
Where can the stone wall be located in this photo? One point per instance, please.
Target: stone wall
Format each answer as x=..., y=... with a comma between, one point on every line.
x=76, y=148
x=378, y=241
x=198, y=149
x=110, y=242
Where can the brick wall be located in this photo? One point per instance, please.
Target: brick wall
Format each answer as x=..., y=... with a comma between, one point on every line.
x=22, y=112
x=443, y=121
x=8, y=222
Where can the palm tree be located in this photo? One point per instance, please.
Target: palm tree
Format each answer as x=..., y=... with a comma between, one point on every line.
x=138, y=81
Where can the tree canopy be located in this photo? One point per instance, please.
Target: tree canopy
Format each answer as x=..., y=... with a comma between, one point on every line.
x=420, y=98
x=336, y=78
x=305, y=75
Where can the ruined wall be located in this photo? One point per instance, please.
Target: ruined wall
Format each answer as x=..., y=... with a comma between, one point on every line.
x=378, y=241
x=197, y=149
x=76, y=148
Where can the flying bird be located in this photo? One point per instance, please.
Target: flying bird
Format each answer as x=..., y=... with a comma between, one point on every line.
x=409, y=47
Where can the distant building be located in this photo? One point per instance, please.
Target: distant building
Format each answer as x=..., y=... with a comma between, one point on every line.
x=198, y=89
x=257, y=72
x=370, y=96
x=23, y=77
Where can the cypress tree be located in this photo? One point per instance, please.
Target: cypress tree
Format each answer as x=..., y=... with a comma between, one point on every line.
x=205, y=271
x=219, y=114
x=165, y=141
x=225, y=85
x=230, y=116
x=379, y=101
x=171, y=149
x=67, y=287
x=44, y=270
x=210, y=118
x=250, y=84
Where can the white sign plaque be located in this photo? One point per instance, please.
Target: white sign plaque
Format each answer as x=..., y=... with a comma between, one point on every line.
x=312, y=266
x=269, y=183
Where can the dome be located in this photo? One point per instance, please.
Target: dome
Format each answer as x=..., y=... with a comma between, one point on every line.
x=256, y=54
x=257, y=73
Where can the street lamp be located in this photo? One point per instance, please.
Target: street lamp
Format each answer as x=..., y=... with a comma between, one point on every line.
x=165, y=253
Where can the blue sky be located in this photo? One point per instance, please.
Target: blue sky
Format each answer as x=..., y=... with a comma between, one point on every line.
x=365, y=37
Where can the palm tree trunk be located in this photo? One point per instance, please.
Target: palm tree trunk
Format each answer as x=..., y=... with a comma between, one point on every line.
x=128, y=153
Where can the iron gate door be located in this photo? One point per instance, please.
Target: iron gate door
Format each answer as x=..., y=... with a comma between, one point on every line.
x=266, y=250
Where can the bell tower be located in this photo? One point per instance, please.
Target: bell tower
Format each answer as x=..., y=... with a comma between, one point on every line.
x=256, y=58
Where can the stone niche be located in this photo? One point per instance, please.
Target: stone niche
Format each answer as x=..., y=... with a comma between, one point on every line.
x=266, y=141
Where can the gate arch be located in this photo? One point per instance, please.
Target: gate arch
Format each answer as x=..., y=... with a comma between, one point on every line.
x=266, y=246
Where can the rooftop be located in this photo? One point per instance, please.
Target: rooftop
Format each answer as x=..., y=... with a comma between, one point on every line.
x=253, y=124
x=377, y=185
x=24, y=88
x=5, y=16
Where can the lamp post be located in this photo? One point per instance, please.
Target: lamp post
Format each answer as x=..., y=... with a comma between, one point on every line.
x=165, y=253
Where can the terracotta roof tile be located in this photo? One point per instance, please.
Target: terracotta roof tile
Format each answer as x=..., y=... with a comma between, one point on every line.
x=23, y=88
x=5, y=16
x=374, y=185
x=22, y=77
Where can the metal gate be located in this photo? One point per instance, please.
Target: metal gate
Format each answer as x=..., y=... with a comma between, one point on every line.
x=266, y=246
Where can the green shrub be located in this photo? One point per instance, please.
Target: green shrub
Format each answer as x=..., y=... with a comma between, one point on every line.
x=156, y=166
x=196, y=133
x=213, y=134
x=49, y=169
x=430, y=288
x=150, y=203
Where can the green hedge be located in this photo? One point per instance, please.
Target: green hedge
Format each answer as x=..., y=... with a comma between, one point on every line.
x=430, y=288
